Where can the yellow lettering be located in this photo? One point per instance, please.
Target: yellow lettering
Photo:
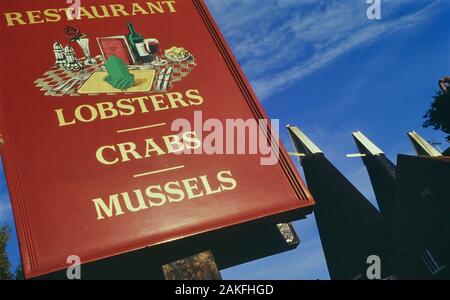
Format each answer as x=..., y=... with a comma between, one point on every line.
x=125, y=107
x=104, y=11
x=171, y=5
x=191, y=187
x=154, y=8
x=152, y=147
x=158, y=102
x=227, y=177
x=141, y=101
x=208, y=189
x=175, y=98
x=34, y=16
x=85, y=13
x=79, y=115
x=191, y=140
x=101, y=158
x=118, y=9
x=129, y=205
x=69, y=11
x=173, y=141
x=108, y=210
x=194, y=97
x=174, y=189
x=52, y=15
x=61, y=120
x=149, y=192
x=137, y=8
x=107, y=110
x=14, y=17
x=127, y=150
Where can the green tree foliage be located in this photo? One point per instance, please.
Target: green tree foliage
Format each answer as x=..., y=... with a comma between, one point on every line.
x=5, y=273
x=438, y=115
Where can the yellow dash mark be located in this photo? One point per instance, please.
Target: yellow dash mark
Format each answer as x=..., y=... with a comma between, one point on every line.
x=141, y=128
x=158, y=171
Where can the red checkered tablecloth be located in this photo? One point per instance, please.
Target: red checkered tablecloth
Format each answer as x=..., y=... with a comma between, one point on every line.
x=56, y=76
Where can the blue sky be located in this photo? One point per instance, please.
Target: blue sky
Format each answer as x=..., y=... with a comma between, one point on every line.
x=323, y=66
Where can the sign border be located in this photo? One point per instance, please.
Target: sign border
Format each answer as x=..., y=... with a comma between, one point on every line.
x=28, y=253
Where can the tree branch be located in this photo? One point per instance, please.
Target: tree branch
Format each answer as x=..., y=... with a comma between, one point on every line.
x=444, y=83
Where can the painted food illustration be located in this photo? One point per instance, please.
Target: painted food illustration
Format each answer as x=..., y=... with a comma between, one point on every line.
x=127, y=63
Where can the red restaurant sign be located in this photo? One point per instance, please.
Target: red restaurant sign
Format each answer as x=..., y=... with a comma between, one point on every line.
x=89, y=96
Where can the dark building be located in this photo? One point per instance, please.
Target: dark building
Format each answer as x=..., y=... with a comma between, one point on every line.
x=421, y=228
x=351, y=228
x=410, y=233
x=381, y=172
x=446, y=152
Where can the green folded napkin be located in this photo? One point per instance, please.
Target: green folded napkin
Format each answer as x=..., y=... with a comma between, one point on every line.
x=119, y=76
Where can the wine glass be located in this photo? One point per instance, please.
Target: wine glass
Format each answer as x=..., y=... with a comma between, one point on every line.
x=154, y=48
x=83, y=41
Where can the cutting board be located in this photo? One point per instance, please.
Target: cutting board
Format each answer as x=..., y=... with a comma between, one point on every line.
x=96, y=84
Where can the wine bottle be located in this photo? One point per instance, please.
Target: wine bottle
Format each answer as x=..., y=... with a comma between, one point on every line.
x=137, y=46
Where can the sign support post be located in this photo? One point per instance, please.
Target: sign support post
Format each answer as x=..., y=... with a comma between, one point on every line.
x=201, y=266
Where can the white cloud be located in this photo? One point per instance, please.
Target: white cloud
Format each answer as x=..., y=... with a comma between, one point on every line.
x=282, y=41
